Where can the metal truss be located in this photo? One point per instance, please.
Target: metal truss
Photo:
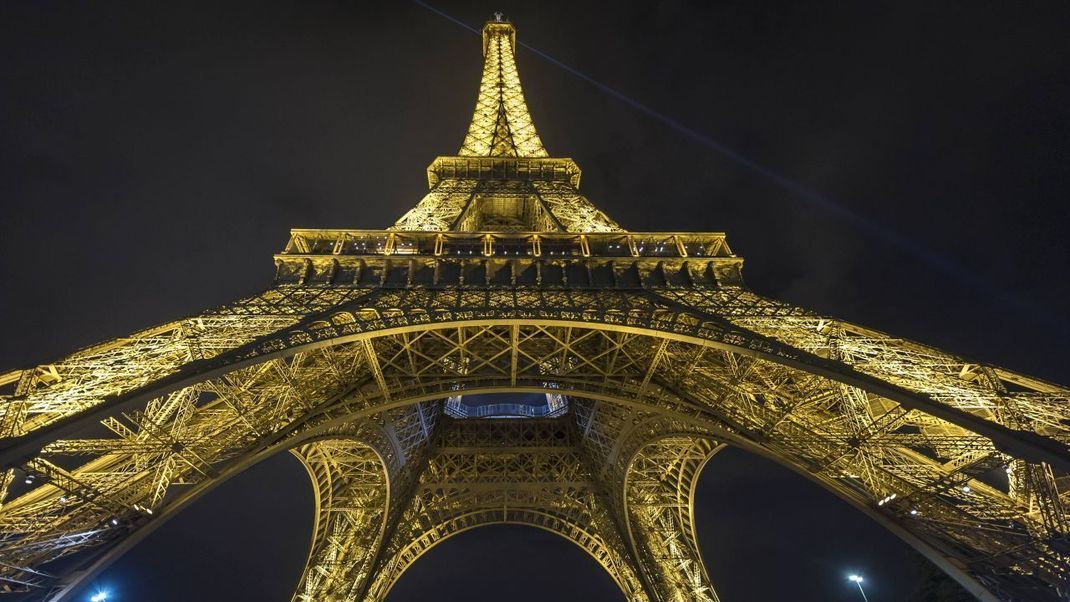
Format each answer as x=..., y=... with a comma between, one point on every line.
x=456, y=204
x=502, y=179
x=528, y=472
x=501, y=125
x=363, y=474
x=663, y=353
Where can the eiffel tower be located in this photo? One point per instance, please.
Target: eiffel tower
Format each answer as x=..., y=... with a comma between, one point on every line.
x=507, y=353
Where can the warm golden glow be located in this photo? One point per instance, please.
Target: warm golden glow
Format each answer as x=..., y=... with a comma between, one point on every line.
x=501, y=125
x=505, y=279
x=502, y=178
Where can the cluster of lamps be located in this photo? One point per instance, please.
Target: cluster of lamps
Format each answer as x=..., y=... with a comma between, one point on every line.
x=660, y=247
x=913, y=511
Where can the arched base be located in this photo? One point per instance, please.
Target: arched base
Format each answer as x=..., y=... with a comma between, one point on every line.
x=877, y=444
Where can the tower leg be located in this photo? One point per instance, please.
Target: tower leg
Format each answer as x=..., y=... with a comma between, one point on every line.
x=659, y=512
x=352, y=497
x=648, y=466
x=363, y=478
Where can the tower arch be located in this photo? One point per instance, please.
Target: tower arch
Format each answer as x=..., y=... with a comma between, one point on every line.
x=529, y=562
x=674, y=373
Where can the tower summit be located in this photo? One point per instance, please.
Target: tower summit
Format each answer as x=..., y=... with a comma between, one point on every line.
x=649, y=349
x=502, y=179
x=501, y=125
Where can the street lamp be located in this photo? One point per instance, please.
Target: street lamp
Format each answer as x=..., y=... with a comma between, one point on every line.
x=858, y=581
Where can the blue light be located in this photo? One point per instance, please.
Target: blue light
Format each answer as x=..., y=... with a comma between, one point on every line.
x=100, y=596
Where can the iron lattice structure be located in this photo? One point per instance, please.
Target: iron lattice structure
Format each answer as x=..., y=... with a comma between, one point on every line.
x=505, y=279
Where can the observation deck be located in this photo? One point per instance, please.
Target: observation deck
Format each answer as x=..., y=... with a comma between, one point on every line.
x=402, y=258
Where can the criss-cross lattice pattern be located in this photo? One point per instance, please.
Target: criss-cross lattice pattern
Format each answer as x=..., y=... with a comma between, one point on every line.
x=501, y=125
x=512, y=282
x=502, y=179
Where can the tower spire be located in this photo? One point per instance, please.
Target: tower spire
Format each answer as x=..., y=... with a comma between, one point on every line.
x=501, y=125
x=503, y=179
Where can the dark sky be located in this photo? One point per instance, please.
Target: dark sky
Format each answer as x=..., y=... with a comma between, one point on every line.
x=153, y=158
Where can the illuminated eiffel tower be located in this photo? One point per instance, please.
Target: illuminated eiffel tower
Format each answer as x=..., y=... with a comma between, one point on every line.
x=506, y=353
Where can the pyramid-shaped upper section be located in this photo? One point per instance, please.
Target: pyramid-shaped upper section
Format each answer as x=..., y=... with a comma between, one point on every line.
x=505, y=214
x=501, y=125
x=502, y=179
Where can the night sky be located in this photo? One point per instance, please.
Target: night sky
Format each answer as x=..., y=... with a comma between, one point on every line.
x=153, y=158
